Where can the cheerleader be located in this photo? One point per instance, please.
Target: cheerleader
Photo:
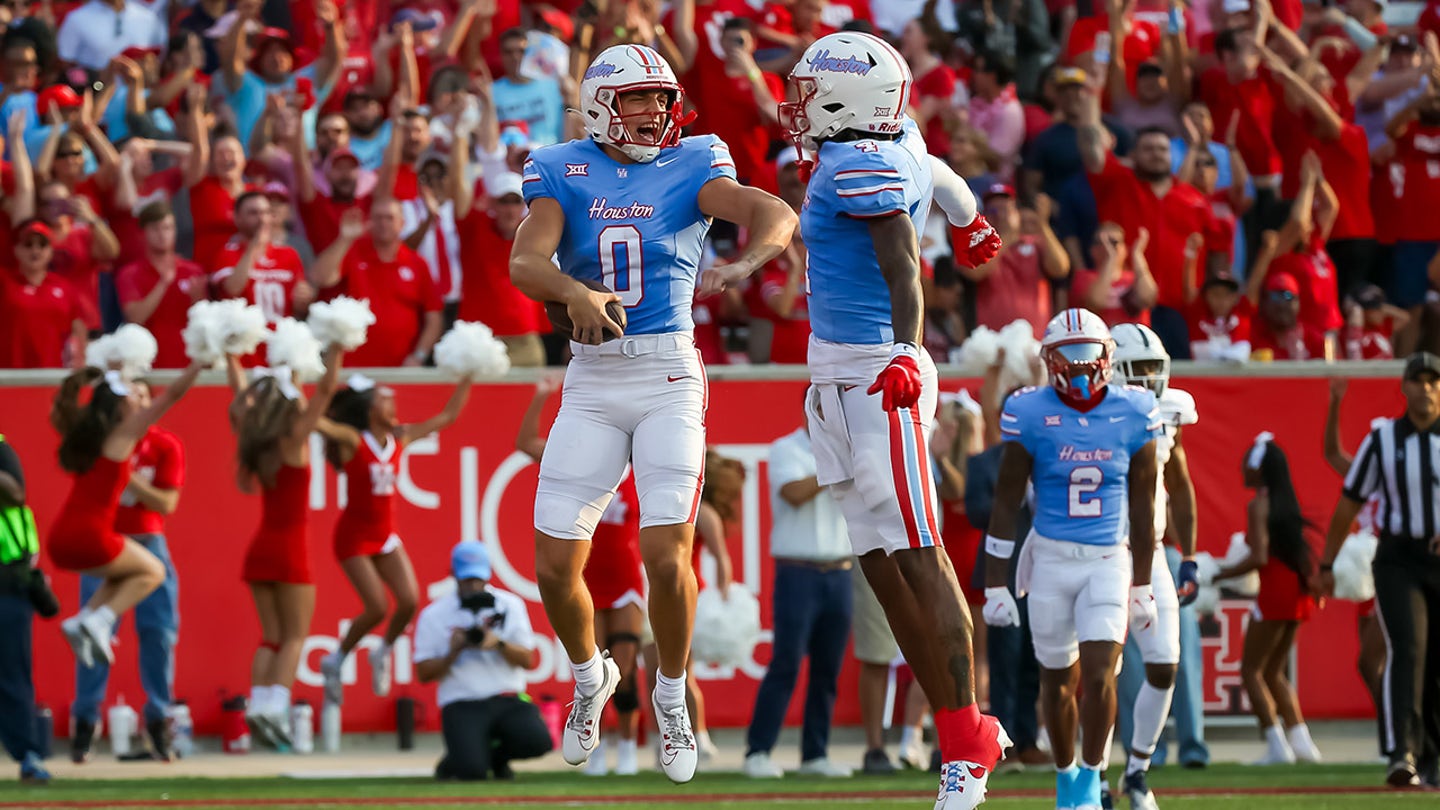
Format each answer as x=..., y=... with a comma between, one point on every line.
x=718, y=513
x=98, y=440
x=273, y=420
x=615, y=580
x=364, y=440
x=1280, y=552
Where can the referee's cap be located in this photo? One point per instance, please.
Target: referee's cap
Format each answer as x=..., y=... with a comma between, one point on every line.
x=1421, y=362
x=470, y=560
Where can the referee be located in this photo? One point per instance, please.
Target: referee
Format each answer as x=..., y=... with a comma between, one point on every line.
x=1400, y=463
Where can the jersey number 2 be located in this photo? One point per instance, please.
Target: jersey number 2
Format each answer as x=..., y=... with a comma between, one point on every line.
x=1084, y=481
x=622, y=261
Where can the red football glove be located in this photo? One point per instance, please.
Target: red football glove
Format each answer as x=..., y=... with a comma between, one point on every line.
x=976, y=243
x=900, y=380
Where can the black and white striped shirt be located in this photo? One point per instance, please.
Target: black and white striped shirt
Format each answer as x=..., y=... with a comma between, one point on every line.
x=1401, y=465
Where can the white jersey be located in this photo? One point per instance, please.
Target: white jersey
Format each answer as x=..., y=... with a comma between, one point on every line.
x=1177, y=409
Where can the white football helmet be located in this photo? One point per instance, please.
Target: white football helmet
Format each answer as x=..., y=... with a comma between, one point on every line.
x=1077, y=350
x=622, y=69
x=847, y=80
x=1137, y=345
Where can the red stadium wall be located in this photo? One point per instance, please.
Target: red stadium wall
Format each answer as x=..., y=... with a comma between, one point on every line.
x=470, y=483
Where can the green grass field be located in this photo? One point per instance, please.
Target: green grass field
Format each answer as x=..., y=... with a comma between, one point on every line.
x=1341, y=787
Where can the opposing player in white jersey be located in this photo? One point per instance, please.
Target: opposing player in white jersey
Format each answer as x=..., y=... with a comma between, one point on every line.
x=1089, y=448
x=629, y=207
x=873, y=394
x=1142, y=361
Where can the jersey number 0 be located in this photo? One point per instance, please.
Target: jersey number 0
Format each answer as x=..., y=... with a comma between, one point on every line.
x=622, y=259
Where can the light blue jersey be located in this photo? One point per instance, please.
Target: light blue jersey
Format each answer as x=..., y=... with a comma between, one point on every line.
x=635, y=227
x=854, y=181
x=1082, y=460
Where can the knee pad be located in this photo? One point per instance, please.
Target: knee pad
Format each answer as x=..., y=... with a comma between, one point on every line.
x=670, y=498
x=627, y=696
x=615, y=639
x=565, y=518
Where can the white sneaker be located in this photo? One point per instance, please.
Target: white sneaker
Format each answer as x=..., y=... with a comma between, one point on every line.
x=380, y=664
x=279, y=722
x=627, y=758
x=1301, y=744
x=100, y=633
x=1277, y=748
x=759, y=766
x=678, y=751
x=330, y=671
x=582, y=728
x=824, y=767
x=595, y=766
x=915, y=756
x=80, y=642
x=706, y=748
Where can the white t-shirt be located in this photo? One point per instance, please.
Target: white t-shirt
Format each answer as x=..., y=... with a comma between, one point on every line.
x=815, y=530
x=96, y=33
x=477, y=674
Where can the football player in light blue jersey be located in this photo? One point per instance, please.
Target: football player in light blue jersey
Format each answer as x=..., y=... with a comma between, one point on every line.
x=1089, y=449
x=628, y=208
x=873, y=393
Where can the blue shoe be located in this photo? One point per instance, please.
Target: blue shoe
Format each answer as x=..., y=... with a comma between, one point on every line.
x=1065, y=788
x=32, y=770
x=1086, y=793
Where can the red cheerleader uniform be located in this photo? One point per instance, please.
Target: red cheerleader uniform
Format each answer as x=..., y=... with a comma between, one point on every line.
x=1283, y=597
x=962, y=545
x=367, y=526
x=83, y=536
x=279, y=551
x=614, y=573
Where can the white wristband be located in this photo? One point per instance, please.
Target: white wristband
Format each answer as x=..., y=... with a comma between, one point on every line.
x=1000, y=549
x=907, y=349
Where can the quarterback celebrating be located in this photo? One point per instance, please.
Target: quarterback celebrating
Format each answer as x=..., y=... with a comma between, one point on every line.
x=629, y=208
x=872, y=400
x=1089, y=448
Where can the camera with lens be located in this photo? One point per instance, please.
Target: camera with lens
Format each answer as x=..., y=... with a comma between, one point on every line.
x=475, y=635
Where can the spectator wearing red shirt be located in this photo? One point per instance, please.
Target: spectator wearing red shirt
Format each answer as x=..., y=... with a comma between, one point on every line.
x=157, y=290
x=1219, y=319
x=782, y=282
x=1238, y=87
x=1148, y=196
x=42, y=317
x=1298, y=250
x=378, y=266
x=137, y=185
x=1110, y=290
x=1370, y=325
x=741, y=105
x=786, y=30
x=1090, y=41
x=487, y=233
x=1415, y=175
x=1010, y=287
x=924, y=45
x=251, y=266
x=1201, y=168
x=320, y=213
x=1278, y=334
x=82, y=243
x=216, y=181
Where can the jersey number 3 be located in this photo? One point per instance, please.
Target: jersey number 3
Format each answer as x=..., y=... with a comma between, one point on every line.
x=1084, y=481
x=622, y=260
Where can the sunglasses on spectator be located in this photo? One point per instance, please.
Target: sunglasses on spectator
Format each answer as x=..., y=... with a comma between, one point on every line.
x=69, y=154
x=1282, y=295
x=1206, y=164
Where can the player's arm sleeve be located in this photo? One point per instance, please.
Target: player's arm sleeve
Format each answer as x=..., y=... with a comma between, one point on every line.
x=1012, y=423
x=867, y=184
x=1364, y=477
x=432, y=638
x=537, y=179
x=952, y=194
x=718, y=160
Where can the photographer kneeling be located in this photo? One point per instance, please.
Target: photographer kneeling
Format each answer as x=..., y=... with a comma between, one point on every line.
x=477, y=643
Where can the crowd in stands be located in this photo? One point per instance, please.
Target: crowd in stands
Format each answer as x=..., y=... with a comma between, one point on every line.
x=1255, y=179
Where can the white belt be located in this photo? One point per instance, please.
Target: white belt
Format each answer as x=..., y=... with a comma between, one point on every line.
x=637, y=345
x=1071, y=550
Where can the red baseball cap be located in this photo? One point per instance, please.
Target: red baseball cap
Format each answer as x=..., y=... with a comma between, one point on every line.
x=59, y=95
x=340, y=154
x=137, y=53
x=37, y=228
x=997, y=190
x=277, y=190
x=1282, y=282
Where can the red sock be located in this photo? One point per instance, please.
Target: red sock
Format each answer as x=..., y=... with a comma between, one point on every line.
x=956, y=730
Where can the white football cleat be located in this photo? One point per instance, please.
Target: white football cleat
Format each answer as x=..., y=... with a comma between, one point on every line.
x=380, y=673
x=100, y=633
x=963, y=784
x=679, y=753
x=582, y=727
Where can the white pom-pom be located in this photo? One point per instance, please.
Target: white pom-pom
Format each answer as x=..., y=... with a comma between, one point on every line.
x=342, y=321
x=1207, y=599
x=292, y=344
x=1245, y=584
x=134, y=350
x=242, y=326
x=471, y=349
x=1206, y=567
x=726, y=630
x=99, y=352
x=978, y=351
x=1354, y=579
x=1021, y=347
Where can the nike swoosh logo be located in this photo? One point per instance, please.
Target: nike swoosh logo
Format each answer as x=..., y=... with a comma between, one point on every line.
x=851, y=387
x=673, y=378
x=666, y=162
x=976, y=771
